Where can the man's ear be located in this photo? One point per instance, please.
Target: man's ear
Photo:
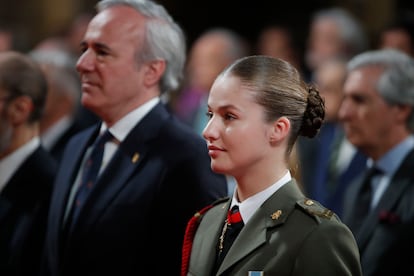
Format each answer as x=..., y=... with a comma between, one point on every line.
x=155, y=69
x=280, y=130
x=404, y=112
x=20, y=109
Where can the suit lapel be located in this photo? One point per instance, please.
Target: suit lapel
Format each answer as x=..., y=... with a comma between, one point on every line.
x=5, y=207
x=110, y=183
x=273, y=212
x=402, y=178
x=66, y=177
x=130, y=154
x=350, y=200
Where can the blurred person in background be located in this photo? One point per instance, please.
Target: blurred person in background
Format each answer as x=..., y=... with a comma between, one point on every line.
x=75, y=32
x=333, y=33
x=399, y=35
x=60, y=121
x=378, y=118
x=27, y=170
x=6, y=39
x=329, y=163
x=209, y=55
x=277, y=40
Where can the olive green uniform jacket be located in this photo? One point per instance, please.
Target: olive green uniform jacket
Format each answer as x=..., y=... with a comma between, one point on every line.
x=288, y=235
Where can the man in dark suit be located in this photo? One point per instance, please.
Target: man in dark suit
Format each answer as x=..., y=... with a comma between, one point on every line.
x=26, y=170
x=377, y=113
x=155, y=172
x=329, y=163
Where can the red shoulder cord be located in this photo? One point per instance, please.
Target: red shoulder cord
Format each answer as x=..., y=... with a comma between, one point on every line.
x=188, y=239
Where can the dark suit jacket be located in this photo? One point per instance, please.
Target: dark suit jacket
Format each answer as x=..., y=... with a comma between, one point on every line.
x=134, y=220
x=386, y=237
x=288, y=235
x=24, y=204
x=314, y=156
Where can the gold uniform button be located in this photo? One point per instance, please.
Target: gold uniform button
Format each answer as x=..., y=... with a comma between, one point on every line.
x=309, y=202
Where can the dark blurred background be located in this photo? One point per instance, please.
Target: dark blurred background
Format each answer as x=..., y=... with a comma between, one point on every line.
x=35, y=20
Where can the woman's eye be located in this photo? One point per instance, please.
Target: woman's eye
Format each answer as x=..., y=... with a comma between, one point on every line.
x=209, y=114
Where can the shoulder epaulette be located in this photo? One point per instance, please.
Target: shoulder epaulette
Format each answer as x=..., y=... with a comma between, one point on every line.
x=314, y=208
x=220, y=200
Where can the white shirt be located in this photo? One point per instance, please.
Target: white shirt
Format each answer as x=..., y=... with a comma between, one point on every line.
x=119, y=130
x=249, y=206
x=11, y=163
x=389, y=163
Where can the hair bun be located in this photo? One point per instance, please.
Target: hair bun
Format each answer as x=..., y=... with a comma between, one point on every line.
x=314, y=114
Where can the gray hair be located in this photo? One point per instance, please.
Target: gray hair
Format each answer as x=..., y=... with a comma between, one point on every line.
x=164, y=39
x=63, y=74
x=351, y=30
x=396, y=83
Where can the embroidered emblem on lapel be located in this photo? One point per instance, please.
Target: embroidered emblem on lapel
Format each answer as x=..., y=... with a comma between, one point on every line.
x=276, y=214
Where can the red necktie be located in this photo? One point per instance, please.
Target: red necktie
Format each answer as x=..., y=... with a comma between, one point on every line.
x=233, y=216
x=231, y=229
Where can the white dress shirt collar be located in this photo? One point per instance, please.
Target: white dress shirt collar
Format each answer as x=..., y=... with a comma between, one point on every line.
x=121, y=128
x=249, y=206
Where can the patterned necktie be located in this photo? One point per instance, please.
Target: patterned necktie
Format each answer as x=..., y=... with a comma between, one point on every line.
x=90, y=174
x=231, y=229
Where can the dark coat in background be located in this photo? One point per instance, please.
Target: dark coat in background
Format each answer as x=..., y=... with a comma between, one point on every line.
x=24, y=204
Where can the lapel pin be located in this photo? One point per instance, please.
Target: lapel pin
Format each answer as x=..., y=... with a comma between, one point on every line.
x=135, y=157
x=276, y=214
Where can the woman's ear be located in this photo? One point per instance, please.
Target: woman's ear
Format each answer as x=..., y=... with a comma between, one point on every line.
x=280, y=130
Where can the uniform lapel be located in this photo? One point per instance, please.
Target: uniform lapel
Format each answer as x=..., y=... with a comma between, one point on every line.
x=203, y=252
x=273, y=212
